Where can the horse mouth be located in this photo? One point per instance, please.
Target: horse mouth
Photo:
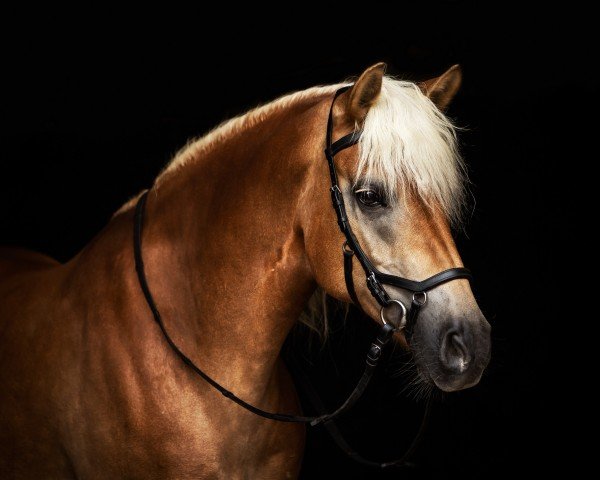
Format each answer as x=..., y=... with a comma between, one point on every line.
x=448, y=383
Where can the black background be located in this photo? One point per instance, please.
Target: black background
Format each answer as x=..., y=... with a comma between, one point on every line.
x=90, y=114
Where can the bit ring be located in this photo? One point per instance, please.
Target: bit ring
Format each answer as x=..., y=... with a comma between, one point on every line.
x=402, y=318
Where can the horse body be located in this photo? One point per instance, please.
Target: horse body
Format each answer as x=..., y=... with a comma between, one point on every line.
x=238, y=233
x=92, y=390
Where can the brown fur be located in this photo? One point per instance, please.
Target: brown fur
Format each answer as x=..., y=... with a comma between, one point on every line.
x=234, y=244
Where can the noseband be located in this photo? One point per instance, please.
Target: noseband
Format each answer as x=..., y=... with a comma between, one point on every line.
x=375, y=281
x=351, y=248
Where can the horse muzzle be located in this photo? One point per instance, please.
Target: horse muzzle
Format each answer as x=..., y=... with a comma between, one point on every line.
x=454, y=354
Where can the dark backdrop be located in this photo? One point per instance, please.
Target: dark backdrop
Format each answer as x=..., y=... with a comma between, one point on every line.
x=89, y=115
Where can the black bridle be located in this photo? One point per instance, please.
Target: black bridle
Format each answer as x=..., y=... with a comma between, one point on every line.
x=351, y=248
x=375, y=281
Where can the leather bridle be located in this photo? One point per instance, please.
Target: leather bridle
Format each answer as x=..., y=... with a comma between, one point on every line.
x=375, y=281
x=351, y=248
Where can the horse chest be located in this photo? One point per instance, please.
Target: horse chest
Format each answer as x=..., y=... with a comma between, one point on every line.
x=162, y=429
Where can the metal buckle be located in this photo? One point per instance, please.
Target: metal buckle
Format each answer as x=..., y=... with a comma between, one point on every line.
x=377, y=289
x=402, y=318
x=419, y=298
x=346, y=248
x=336, y=194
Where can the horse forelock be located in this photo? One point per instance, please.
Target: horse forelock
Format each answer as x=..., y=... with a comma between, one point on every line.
x=408, y=145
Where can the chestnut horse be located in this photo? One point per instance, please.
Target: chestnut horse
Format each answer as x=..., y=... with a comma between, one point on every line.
x=239, y=232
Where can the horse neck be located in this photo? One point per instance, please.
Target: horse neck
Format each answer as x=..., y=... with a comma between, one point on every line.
x=224, y=251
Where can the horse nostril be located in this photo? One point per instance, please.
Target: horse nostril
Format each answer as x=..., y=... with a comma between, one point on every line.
x=454, y=355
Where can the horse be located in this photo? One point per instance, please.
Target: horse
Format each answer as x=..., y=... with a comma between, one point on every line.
x=238, y=234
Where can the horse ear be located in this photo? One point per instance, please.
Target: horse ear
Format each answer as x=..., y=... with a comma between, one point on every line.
x=365, y=91
x=441, y=90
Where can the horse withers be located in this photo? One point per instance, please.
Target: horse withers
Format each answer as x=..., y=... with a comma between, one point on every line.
x=238, y=234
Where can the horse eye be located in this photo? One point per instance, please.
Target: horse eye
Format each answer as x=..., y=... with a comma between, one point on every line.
x=370, y=198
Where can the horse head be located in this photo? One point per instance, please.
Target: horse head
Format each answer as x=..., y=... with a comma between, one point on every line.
x=403, y=187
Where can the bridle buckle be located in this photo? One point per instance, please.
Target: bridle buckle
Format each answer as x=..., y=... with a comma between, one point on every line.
x=419, y=298
x=377, y=290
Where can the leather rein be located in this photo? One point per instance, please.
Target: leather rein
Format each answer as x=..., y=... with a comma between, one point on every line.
x=374, y=280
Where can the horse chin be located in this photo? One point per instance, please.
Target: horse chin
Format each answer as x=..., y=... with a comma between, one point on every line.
x=446, y=383
x=456, y=385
